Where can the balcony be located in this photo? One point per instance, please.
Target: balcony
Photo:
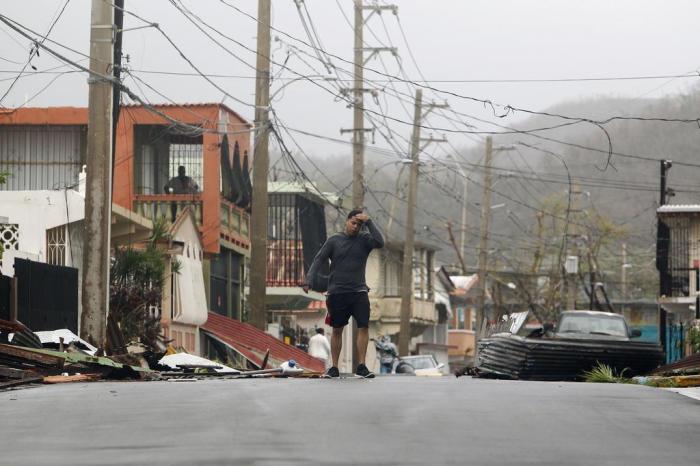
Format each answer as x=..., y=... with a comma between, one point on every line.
x=168, y=206
x=235, y=223
x=388, y=311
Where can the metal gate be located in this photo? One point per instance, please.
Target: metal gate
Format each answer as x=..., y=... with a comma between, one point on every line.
x=675, y=342
x=47, y=295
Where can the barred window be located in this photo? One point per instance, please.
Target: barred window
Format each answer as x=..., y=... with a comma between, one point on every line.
x=159, y=153
x=56, y=245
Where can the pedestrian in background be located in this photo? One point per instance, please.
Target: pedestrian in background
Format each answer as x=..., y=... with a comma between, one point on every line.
x=319, y=346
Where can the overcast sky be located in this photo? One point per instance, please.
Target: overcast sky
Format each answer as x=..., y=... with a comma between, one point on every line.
x=451, y=40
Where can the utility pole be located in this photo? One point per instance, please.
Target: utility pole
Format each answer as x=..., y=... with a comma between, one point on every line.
x=407, y=270
x=358, y=130
x=483, y=245
x=623, y=276
x=463, y=223
x=261, y=165
x=663, y=235
x=98, y=187
x=358, y=117
x=573, y=250
x=420, y=112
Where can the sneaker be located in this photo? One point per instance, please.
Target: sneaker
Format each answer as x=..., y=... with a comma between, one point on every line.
x=362, y=371
x=332, y=373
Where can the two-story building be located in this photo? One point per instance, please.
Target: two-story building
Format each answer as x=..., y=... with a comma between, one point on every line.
x=45, y=149
x=678, y=263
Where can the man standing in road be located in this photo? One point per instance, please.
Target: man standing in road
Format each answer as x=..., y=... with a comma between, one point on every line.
x=347, y=290
x=319, y=346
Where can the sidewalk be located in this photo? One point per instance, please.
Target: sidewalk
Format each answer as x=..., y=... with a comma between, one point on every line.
x=693, y=392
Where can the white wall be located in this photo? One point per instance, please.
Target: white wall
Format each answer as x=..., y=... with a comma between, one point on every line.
x=37, y=211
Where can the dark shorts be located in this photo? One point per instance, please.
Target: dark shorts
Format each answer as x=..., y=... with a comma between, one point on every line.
x=343, y=305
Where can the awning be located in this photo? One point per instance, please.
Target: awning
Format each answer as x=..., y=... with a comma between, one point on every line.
x=288, y=298
x=252, y=343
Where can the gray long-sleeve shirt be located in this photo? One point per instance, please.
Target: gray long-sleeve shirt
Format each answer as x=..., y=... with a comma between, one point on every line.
x=348, y=256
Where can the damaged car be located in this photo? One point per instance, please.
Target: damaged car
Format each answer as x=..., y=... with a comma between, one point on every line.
x=580, y=341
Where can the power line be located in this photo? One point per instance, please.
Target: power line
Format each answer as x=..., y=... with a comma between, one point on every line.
x=507, y=109
x=35, y=51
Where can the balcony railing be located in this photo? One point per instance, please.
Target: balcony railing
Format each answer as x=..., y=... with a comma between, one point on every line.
x=234, y=220
x=168, y=206
x=285, y=263
x=390, y=309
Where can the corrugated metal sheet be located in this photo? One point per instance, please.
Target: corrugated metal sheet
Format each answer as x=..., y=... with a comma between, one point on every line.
x=689, y=364
x=253, y=343
x=41, y=157
x=516, y=357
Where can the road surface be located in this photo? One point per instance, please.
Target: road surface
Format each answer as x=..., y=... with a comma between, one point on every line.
x=388, y=420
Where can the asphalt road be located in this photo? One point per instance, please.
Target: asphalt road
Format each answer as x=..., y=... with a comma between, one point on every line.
x=389, y=420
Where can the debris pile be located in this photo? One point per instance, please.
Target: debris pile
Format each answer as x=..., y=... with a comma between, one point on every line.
x=682, y=373
x=54, y=357
x=60, y=356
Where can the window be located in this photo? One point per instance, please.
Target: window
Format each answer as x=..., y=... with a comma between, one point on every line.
x=225, y=284
x=422, y=274
x=9, y=236
x=392, y=272
x=56, y=245
x=159, y=154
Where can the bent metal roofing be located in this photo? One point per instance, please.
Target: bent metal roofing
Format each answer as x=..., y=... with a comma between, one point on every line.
x=253, y=343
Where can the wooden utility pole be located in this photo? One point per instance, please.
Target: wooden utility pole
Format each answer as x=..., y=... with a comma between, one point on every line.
x=98, y=187
x=261, y=165
x=458, y=251
x=623, y=276
x=358, y=134
x=573, y=237
x=463, y=224
x=483, y=245
x=407, y=269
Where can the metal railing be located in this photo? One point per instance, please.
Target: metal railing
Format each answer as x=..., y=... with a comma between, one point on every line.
x=168, y=206
x=234, y=220
x=285, y=263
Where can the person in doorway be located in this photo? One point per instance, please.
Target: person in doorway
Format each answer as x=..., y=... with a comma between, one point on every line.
x=181, y=184
x=319, y=346
x=347, y=290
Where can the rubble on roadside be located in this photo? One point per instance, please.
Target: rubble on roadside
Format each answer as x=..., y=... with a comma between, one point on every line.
x=60, y=356
x=684, y=373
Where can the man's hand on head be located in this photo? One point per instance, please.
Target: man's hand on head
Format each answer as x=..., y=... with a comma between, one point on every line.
x=363, y=217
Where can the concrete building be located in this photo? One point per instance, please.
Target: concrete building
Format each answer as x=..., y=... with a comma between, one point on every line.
x=45, y=149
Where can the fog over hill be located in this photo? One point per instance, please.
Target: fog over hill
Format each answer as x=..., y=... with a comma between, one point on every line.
x=625, y=187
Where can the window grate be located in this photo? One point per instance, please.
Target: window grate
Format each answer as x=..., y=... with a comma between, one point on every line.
x=56, y=245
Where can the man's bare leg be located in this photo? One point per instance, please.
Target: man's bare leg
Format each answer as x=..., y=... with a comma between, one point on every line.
x=337, y=344
x=362, y=340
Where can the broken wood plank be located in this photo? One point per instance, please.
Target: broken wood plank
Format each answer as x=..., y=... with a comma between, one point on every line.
x=71, y=378
x=11, y=326
x=14, y=383
x=32, y=356
x=12, y=373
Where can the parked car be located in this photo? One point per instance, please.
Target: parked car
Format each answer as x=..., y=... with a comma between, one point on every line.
x=424, y=364
x=580, y=341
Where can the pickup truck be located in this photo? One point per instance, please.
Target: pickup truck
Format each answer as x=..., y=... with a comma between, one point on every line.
x=580, y=341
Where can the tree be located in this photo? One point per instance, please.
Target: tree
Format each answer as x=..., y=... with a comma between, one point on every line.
x=540, y=276
x=136, y=287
